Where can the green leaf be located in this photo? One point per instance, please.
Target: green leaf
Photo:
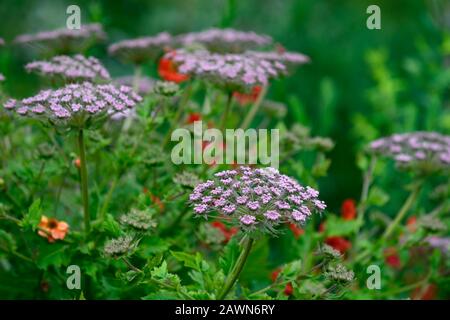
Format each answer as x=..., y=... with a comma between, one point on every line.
x=339, y=227
x=32, y=218
x=53, y=255
x=189, y=260
x=7, y=241
x=377, y=197
x=230, y=255
x=291, y=270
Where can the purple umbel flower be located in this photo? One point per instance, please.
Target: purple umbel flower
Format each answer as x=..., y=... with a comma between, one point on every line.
x=233, y=72
x=73, y=69
x=225, y=40
x=76, y=105
x=256, y=198
x=145, y=84
x=2, y=77
x=142, y=49
x=423, y=151
x=288, y=59
x=64, y=40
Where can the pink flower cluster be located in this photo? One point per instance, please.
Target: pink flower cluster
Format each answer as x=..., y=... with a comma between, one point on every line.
x=427, y=150
x=236, y=72
x=256, y=198
x=225, y=40
x=76, y=105
x=76, y=68
x=64, y=39
x=289, y=59
x=142, y=49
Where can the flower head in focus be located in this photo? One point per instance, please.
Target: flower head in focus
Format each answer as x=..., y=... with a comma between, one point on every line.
x=76, y=105
x=225, y=40
x=64, y=40
x=425, y=152
x=73, y=69
x=142, y=49
x=52, y=229
x=120, y=246
x=232, y=72
x=256, y=199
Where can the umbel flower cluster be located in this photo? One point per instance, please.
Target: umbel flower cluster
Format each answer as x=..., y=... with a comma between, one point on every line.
x=225, y=40
x=256, y=198
x=76, y=68
x=65, y=40
x=288, y=59
x=428, y=151
x=142, y=49
x=236, y=72
x=76, y=105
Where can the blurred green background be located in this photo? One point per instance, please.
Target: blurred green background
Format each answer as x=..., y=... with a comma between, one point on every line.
x=361, y=83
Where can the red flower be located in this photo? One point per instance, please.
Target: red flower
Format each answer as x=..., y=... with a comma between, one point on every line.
x=194, y=116
x=288, y=289
x=168, y=71
x=246, y=98
x=348, y=209
x=274, y=274
x=411, y=224
x=392, y=258
x=429, y=292
x=227, y=232
x=296, y=230
x=338, y=243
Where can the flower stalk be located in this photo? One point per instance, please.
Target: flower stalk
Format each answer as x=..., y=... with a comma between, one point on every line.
x=404, y=210
x=84, y=181
x=234, y=275
x=254, y=109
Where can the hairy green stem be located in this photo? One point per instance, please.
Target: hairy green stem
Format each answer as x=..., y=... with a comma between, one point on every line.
x=108, y=198
x=228, y=106
x=404, y=210
x=84, y=181
x=254, y=109
x=234, y=275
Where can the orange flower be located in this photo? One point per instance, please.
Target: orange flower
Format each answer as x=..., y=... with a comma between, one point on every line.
x=246, y=98
x=77, y=163
x=168, y=71
x=52, y=229
x=348, y=209
x=338, y=243
x=411, y=224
